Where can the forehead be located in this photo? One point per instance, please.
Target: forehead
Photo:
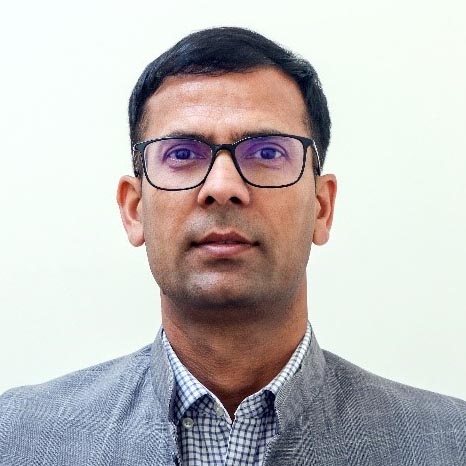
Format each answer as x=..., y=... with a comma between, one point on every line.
x=225, y=107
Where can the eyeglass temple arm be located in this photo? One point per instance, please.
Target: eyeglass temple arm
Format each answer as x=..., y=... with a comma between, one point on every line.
x=319, y=163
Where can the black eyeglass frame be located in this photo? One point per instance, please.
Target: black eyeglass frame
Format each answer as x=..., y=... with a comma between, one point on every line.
x=140, y=147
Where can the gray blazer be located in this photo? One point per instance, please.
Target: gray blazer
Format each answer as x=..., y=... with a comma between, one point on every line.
x=332, y=413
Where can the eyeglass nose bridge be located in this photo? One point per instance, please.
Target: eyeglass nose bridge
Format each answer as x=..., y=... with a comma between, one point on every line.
x=216, y=148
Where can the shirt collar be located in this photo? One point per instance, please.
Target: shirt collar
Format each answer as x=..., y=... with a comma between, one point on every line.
x=188, y=390
x=292, y=365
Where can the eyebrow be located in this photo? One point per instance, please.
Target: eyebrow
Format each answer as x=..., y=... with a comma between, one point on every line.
x=237, y=136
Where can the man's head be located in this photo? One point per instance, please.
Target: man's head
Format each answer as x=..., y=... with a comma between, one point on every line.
x=226, y=50
x=226, y=247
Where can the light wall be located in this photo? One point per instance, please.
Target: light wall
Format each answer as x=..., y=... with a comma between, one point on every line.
x=387, y=292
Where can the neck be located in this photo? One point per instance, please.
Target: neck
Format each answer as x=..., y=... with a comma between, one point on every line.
x=235, y=358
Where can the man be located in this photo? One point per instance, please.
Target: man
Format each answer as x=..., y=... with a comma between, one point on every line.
x=229, y=134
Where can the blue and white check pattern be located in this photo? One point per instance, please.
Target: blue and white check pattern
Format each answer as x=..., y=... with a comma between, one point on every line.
x=206, y=434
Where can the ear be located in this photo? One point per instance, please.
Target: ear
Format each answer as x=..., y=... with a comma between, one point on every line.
x=326, y=191
x=129, y=198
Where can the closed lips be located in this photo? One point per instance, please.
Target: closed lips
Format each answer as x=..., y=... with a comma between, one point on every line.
x=223, y=238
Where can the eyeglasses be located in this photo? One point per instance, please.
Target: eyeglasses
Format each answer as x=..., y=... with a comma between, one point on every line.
x=264, y=161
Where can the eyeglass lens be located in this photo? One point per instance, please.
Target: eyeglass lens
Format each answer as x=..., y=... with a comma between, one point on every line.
x=264, y=161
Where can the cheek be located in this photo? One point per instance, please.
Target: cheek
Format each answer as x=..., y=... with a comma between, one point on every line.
x=160, y=224
x=300, y=230
x=291, y=222
x=296, y=210
x=164, y=218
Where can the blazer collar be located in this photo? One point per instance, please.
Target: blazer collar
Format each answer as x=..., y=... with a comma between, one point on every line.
x=290, y=401
x=302, y=389
x=163, y=379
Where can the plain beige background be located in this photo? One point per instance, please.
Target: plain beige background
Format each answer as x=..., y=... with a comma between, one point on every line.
x=387, y=292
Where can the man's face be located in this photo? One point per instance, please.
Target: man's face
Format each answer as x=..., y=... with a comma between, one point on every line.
x=227, y=244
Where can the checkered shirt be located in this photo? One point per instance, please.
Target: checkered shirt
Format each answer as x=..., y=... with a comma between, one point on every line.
x=206, y=434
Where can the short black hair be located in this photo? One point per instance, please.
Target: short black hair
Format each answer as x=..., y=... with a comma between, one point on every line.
x=222, y=50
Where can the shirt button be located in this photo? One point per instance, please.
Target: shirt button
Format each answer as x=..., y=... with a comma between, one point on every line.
x=219, y=410
x=187, y=423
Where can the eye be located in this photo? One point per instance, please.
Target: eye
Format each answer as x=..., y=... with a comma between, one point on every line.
x=268, y=152
x=184, y=152
x=181, y=153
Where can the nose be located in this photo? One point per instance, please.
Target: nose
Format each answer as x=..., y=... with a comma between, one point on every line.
x=224, y=184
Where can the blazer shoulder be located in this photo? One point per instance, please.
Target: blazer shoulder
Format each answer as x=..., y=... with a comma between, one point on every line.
x=105, y=411
x=91, y=389
x=372, y=392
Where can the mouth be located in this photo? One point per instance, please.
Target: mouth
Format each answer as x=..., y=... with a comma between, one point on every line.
x=223, y=244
